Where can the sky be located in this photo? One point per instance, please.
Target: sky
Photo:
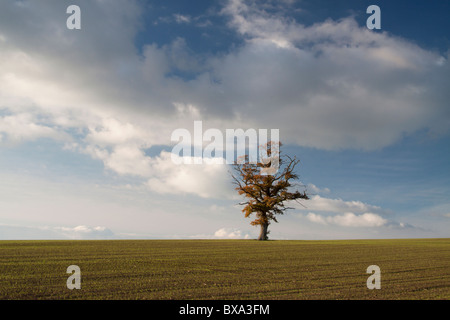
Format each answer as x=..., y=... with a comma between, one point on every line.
x=87, y=116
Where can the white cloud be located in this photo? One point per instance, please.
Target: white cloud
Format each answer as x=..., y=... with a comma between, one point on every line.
x=345, y=213
x=318, y=203
x=314, y=189
x=334, y=83
x=345, y=81
x=349, y=219
x=180, y=18
x=113, y=132
x=84, y=232
x=204, y=180
x=315, y=218
x=25, y=127
x=129, y=160
x=227, y=233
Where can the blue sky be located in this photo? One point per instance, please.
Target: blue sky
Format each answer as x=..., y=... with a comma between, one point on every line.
x=86, y=116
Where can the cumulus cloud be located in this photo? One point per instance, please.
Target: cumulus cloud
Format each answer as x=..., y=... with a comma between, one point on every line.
x=204, y=180
x=111, y=132
x=312, y=188
x=330, y=85
x=85, y=232
x=345, y=213
x=24, y=127
x=349, y=219
x=345, y=81
x=335, y=84
x=227, y=233
x=128, y=160
x=318, y=203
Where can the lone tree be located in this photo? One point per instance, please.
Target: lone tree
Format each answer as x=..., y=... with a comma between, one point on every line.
x=265, y=193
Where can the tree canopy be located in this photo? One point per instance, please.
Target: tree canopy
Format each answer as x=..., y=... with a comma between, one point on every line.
x=267, y=191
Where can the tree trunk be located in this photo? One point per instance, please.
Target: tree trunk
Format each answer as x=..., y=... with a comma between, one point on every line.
x=263, y=232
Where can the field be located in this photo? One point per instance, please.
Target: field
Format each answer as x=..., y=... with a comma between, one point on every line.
x=225, y=269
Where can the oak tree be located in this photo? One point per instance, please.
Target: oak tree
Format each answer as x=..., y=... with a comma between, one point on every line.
x=266, y=194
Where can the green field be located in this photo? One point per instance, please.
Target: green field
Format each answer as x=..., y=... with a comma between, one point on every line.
x=225, y=269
